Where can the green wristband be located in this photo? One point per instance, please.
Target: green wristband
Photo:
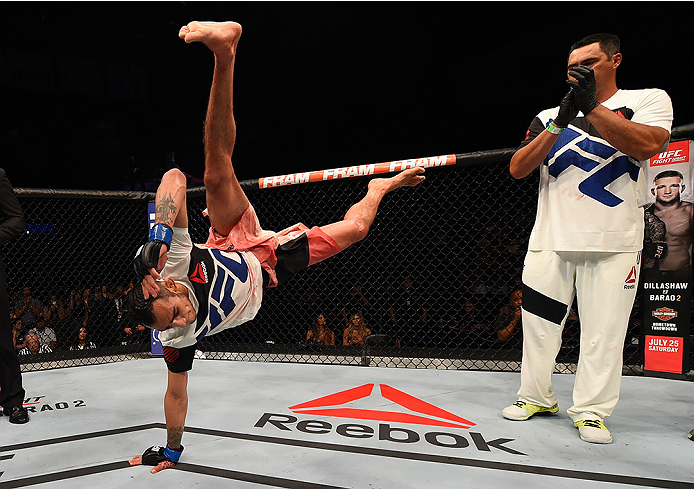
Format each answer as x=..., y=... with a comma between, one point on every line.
x=554, y=129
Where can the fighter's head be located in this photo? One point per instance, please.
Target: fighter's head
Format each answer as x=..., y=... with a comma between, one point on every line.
x=668, y=186
x=170, y=309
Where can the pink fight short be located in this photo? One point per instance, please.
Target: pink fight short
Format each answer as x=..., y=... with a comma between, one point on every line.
x=247, y=235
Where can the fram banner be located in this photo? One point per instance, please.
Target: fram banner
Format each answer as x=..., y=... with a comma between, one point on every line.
x=667, y=264
x=355, y=171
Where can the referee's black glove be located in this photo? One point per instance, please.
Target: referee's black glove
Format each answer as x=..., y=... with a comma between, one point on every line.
x=584, y=86
x=567, y=110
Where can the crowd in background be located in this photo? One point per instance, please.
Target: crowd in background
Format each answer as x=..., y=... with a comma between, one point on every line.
x=441, y=310
x=436, y=309
x=85, y=318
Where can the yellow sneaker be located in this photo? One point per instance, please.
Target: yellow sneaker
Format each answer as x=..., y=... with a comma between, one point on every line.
x=691, y=435
x=521, y=410
x=593, y=431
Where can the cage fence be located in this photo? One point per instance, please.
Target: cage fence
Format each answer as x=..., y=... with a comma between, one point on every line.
x=432, y=282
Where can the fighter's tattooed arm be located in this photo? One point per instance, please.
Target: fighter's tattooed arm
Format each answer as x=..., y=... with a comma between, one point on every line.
x=170, y=201
x=174, y=434
x=166, y=210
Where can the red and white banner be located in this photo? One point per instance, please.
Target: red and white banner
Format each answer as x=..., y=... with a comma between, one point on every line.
x=355, y=171
x=667, y=280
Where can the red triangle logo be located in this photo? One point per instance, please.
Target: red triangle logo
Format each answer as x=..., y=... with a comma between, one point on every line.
x=426, y=413
x=631, y=279
x=198, y=276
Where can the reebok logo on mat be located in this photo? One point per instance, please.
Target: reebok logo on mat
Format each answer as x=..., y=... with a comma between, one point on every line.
x=421, y=412
x=416, y=411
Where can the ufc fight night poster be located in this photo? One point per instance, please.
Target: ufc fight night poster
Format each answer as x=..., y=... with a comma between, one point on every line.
x=667, y=261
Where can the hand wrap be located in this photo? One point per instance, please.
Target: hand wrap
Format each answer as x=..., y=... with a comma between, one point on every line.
x=161, y=232
x=154, y=455
x=147, y=256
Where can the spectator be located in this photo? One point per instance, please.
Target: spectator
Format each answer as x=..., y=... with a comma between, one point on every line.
x=134, y=334
x=117, y=315
x=28, y=308
x=45, y=334
x=83, y=306
x=355, y=332
x=131, y=286
x=33, y=346
x=320, y=333
x=81, y=342
x=99, y=310
x=18, y=334
x=471, y=320
x=357, y=302
x=56, y=314
x=112, y=321
x=509, y=319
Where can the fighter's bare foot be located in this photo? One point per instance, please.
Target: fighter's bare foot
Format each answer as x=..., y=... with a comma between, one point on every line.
x=220, y=37
x=407, y=178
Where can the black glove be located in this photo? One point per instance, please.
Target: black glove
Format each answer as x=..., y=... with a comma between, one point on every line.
x=567, y=110
x=654, y=250
x=147, y=257
x=154, y=455
x=584, y=88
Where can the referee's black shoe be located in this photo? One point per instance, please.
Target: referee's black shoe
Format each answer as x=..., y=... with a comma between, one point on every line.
x=17, y=414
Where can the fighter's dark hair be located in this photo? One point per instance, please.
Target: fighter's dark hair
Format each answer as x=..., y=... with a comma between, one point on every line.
x=609, y=43
x=668, y=173
x=140, y=309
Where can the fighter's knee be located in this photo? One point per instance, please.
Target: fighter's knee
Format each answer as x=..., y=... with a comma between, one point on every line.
x=358, y=229
x=216, y=180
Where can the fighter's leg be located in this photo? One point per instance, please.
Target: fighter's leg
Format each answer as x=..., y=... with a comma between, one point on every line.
x=361, y=215
x=226, y=201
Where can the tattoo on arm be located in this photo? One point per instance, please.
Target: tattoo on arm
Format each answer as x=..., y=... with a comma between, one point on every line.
x=166, y=210
x=174, y=434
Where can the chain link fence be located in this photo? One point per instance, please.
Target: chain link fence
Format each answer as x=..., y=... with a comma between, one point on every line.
x=433, y=281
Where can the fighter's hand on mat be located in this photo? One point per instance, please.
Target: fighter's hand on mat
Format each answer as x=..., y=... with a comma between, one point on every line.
x=584, y=86
x=160, y=457
x=567, y=110
x=137, y=460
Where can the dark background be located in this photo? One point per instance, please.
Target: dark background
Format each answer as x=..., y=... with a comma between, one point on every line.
x=94, y=93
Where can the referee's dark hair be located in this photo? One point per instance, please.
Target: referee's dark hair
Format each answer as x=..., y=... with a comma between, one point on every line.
x=609, y=43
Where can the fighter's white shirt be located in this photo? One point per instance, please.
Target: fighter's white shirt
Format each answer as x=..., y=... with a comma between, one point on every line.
x=591, y=194
x=225, y=288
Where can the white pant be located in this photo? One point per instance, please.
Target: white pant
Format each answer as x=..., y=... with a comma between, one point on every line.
x=605, y=286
